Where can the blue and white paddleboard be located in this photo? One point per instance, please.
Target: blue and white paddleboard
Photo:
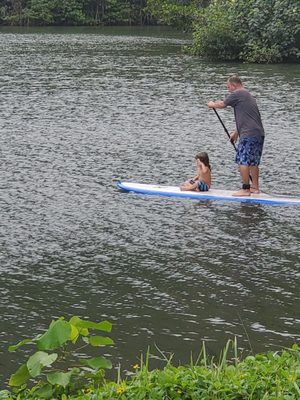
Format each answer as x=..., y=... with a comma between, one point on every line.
x=213, y=194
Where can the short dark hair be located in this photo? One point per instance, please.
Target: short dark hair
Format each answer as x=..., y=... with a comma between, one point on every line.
x=235, y=79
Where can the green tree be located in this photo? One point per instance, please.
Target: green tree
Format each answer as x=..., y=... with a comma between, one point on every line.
x=69, y=12
x=178, y=13
x=16, y=10
x=73, y=12
x=216, y=35
x=107, y=12
x=270, y=29
x=261, y=31
x=41, y=12
x=116, y=12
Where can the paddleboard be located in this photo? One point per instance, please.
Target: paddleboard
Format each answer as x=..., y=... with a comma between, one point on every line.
x=212, y=194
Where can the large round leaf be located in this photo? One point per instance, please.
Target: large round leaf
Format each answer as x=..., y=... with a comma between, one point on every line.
x=38, y=361
x=58, y=333
x=60, y=378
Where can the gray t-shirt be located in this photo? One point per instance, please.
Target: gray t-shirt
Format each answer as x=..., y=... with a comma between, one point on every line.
x=247, y=115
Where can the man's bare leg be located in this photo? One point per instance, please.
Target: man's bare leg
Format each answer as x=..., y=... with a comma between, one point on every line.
x=254, y=172
x=244, y=171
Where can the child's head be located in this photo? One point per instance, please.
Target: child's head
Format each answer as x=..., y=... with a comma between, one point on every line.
x=203, y=157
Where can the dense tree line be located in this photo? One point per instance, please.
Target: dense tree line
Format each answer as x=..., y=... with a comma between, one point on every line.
x=179, y=13
x=260, y=31
x=73, y=12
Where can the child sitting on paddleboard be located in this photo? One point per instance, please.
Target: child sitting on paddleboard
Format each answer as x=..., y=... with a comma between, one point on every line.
x=202, y=181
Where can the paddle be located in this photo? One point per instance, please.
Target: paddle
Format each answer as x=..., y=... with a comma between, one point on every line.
x=228, y=134
x=225, y=129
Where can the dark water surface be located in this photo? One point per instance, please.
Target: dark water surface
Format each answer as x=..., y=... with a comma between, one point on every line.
x=83, y=108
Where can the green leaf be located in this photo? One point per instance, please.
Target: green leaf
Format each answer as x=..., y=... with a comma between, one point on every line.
x=45, y=392
x=60, y=378
x=21, y=343
x=105, y=326
x=39, y=360
x=5, y=394
x=74, y=334
x=75, y=320
x=59, y=332
x=97, y=363
x=99, y=340
x=20, y=377
x=297, y=388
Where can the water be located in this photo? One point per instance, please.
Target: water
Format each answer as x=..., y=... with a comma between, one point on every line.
x=82, y=108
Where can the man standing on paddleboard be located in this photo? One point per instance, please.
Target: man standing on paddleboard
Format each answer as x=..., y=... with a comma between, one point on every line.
x=249, y=131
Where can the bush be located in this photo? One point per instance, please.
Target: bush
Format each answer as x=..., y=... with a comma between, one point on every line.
x=260, y=31
x=270, y=29
x=179, y=14
x=49, y=372
x=215, y=36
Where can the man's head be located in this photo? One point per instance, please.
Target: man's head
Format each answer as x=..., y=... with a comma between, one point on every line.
x=234, y=83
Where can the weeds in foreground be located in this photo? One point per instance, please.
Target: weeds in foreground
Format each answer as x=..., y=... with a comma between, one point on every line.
x=57, y=368
x=269, y=376
x=266, y=376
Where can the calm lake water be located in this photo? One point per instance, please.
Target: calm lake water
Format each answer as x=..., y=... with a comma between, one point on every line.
x=82, y=108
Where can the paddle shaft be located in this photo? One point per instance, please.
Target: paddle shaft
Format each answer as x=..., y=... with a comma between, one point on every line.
x=228, y=134
x=225, y=129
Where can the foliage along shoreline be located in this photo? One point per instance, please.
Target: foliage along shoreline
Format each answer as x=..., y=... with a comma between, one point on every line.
x=74, y=12
x=255, y=31
x=58, y=370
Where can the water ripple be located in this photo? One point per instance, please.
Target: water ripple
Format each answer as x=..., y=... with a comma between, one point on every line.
x=80, y=111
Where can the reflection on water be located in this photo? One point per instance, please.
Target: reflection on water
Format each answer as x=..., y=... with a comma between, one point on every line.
x=80, y=110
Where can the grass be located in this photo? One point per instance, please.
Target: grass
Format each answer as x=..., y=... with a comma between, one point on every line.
x=266, y=376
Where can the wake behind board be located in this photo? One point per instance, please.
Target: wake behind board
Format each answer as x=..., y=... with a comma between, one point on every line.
x=213, y=194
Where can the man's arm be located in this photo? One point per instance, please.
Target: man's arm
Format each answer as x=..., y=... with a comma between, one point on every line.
x=216, y=104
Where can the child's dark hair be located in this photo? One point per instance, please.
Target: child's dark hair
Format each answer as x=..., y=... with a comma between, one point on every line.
x=203, y=157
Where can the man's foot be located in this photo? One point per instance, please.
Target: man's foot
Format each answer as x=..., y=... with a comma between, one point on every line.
x=254, y=190
x=242, y=193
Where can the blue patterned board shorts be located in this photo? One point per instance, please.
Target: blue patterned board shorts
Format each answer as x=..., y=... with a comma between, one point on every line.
x=249, y=151
x=202, y=187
